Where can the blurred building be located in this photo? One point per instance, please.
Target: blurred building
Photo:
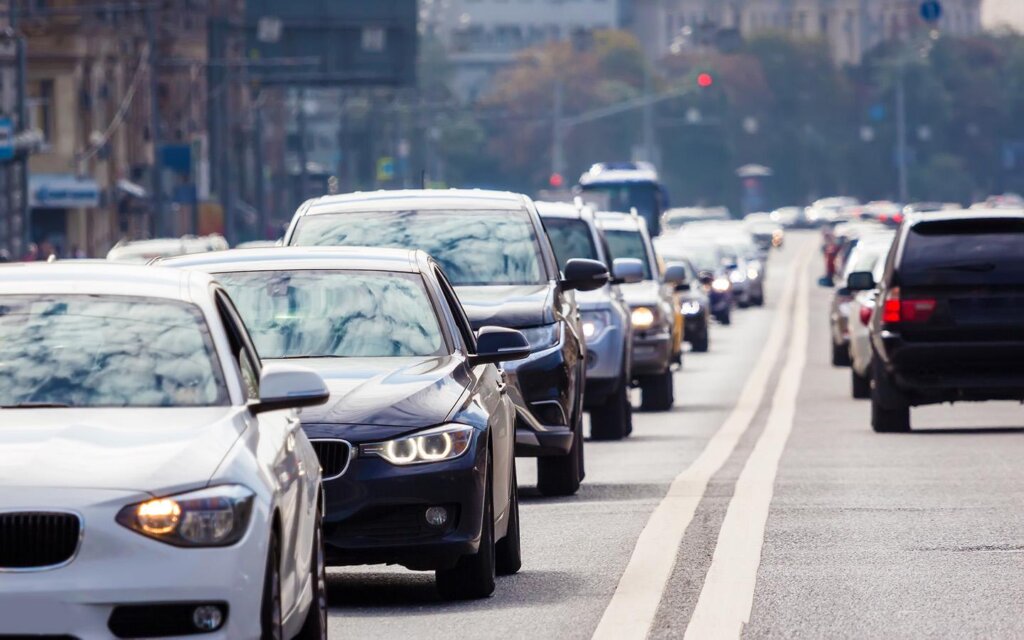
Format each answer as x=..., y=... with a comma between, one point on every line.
x=851, y=27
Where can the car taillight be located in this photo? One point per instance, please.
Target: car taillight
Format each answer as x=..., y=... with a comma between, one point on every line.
x=898, y=218
x=897, y=309
x=865, y=315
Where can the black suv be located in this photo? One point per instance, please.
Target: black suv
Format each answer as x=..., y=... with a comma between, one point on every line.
x=495, y=252
x=948, y=326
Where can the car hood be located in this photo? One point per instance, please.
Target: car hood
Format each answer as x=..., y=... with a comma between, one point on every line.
x=410, y=392
x=149, y=450
x=647, y=292
x=508, y=305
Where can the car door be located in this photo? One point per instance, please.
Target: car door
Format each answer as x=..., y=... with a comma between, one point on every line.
x=286, y=456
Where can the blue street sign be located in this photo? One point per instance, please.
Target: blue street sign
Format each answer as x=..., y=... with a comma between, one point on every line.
x=931, y=10
x=6, y=139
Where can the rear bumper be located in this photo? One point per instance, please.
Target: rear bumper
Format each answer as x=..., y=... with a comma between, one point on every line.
x=944, y=372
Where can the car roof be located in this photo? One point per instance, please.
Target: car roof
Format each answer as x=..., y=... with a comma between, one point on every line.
x=973, y=214
x=559, y=210
x=611, y=172
x=418, y=199
x=98, y=277
x=619, y=221
x=295, y=258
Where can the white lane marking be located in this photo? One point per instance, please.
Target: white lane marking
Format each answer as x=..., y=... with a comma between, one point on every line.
x=631, y=611
x=727, y=597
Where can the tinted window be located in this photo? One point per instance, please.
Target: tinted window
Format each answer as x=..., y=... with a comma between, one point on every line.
x=964, y=251
x=323, y=314
x=626, y=195
x=106, y=351
x=570, y=239
x=473, y=247
x=629, y=244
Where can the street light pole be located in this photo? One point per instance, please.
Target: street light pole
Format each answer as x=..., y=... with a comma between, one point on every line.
x=901, y=134
x=558, y=132
x=156, y=179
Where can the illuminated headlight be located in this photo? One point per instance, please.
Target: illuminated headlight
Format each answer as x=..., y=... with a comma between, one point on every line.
x=213, y=517
x=541, y=337
x=642, y=318
x=721, y=284
x=690, y=308
x=595, y=322
x=737, y=276
x=446, y=442
x=752, y=273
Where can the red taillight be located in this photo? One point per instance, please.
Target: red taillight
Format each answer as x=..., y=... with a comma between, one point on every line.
x=898, y=218
x=883, y=217
x=912, y=310
x=865, y=315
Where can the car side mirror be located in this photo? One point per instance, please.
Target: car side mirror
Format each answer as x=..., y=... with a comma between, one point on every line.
x=499, y=344
x=861, y=281
x=675, y=275
x=705, y=278
x=285, y=386
x=584, y=275
x=627, y=271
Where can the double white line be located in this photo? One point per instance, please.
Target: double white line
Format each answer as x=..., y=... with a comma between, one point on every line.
x=727, y=596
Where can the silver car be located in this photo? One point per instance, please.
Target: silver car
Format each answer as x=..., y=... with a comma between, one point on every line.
x=606, y=317
x=869, y=255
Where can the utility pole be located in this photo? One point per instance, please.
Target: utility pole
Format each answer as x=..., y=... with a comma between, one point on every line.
x=303, y=168
x=901, y=133
x=261, y=204
x=160, y=225
x=22, y=174
x=648, y=123
x=558, y=130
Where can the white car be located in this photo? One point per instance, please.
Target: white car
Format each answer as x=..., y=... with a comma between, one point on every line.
x=869, y=255
x=154, y=478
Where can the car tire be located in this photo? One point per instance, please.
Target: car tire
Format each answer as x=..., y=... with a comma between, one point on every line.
x=700, y=344
x=508, y=552
x=315, y=627
x=473, y=575
x=657, y=392
x=561, y=475
x=725, y=317
x=890, y=412
x=271, y=620
x=611, y=421
x=840, y=355
x=760, y=300
x=861, y=385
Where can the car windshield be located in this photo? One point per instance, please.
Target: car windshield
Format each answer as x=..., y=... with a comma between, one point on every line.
x=474, y=247
x=332, y=314
x=629, y=244
x=570, y=239
x=106, y=351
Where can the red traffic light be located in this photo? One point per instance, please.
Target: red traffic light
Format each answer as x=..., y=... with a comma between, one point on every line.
x=556, y=180
x=705, y=80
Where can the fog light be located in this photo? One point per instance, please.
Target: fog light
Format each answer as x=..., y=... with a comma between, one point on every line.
x=436, y=516
x=207, y=618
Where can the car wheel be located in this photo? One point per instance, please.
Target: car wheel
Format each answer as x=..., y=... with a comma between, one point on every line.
x=270, y=611
x=760, y=300
x=700, y=344
x=508, y=552
x=315, y=626
x=725, y=317
x=840, y=355
x=890, y=413
x=472, y=577
x=561, y=475
x=861, y=385
x=657, y=393
x=611, y=421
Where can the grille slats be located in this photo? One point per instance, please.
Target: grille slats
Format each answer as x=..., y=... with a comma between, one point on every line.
x=334, y=456
x=36, y=539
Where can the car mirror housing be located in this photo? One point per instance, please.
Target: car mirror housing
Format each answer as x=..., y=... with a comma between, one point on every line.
x=284, y=386
x=627, y=271
x=675, y=275
x=584, y=275
x=706, y=278
x=499, y=344
x=861, y=281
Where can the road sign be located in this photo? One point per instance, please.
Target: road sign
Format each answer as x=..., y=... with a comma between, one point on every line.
x=6, y=139
x=931, y=10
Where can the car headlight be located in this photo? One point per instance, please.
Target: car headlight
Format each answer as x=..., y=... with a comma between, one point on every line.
x=752, y=273
x=212, y=517
x=541, y=337
x=643, y=317
x=690, y=307
x=446, y=442
x=737, y=276
x=721, y=284
x=595, y=322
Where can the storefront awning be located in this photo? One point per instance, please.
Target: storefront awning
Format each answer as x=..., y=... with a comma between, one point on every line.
x=62, y=191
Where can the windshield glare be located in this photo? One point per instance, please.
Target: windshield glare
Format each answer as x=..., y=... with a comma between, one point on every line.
x=106, y=351
x=570, y=239
x=473, y=247
x=629, y=244
x=331, y=314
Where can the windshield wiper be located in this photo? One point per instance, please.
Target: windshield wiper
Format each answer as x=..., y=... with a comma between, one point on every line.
x=979, y=267
x=36, y=405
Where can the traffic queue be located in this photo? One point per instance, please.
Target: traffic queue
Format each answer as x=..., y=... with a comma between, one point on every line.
x=357, y=395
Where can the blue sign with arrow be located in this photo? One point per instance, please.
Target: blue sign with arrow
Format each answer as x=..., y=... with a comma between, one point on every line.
x=931, y=10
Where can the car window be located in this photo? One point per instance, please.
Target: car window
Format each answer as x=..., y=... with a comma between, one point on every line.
x=242, y=350
x=452, y=298
x=629, y=244
x=571, y=238
x=326, y=313
x=106, y=351
x=964, y=251
x=474, y=247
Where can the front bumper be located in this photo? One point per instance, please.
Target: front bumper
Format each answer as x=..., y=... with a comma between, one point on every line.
x=542, y=390
x=115, y=566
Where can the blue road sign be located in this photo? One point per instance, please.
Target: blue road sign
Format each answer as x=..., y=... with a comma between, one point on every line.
x=6, y=139
x=931, y=10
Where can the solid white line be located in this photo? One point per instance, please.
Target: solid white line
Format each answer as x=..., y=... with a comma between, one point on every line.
x=727, y=596
x=633, y=606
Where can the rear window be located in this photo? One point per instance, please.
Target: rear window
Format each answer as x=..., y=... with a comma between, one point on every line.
x=966, y=251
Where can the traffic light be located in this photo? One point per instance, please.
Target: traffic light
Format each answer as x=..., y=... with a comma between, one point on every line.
x=705, y=80
x=556, y=180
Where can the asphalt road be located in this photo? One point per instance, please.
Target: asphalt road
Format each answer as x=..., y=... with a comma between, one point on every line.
x=762, y=506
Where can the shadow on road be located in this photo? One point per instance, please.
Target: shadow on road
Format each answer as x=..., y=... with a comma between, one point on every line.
x=967, y=430
x=597, y=492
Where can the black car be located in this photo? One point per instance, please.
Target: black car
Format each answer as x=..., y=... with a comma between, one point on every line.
x=494, y=249
x=417, y=441
x=947, y=326
x=695, y=305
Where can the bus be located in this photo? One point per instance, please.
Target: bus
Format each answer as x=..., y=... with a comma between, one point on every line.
x=622, y=186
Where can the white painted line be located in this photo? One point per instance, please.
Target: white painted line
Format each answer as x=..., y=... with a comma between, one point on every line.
x=727, y=596
x=633, y=606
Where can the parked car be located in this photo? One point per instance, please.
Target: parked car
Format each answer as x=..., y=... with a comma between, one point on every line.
x=143, y=251
x=418, y=440
x=493, y=248
x=156, y=482
x=655, y=314
x=865, y=254
x=948, y=326
x=862, y=306
x=573, y=232
x=711, y=278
